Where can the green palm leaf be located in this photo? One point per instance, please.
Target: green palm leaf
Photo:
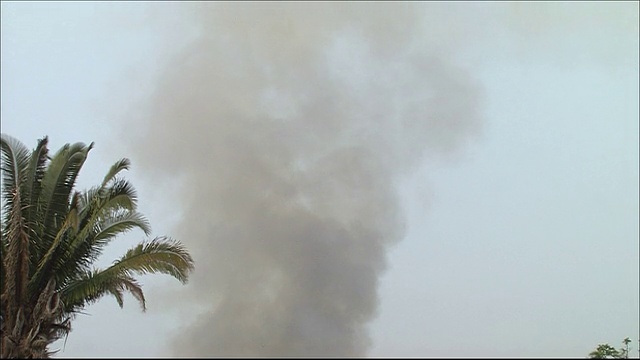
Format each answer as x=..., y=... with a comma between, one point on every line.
x=90, y=286
x=15, y=255
x=120, y=165
x=57, y=186
x=161, y=255
x=15, y=161
x=35, y=174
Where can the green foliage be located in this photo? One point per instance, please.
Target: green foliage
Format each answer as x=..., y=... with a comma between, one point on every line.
x=606, y=351
x=50, y=237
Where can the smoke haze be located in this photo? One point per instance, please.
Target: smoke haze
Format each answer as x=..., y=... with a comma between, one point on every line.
x=288, y=126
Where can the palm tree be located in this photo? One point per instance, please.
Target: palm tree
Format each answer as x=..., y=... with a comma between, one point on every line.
x=50, y=237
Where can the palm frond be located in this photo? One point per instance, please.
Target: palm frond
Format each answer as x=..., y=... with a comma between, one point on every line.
x=103, y=232
x=15, y=161
x=92, y=285
x=52, y=256
x=120, y=195
x=16, y=259
x=161, y=255
x=120, y=165
x=15, y=268
x=131, y=285
x=33, y=186
x=98, y=206
x=53, y=203
x=57, y=185
x=87, y=197
x=104, y=213
x=86, y=288
x=118, y=294
x=119, y=223
x=35, y=173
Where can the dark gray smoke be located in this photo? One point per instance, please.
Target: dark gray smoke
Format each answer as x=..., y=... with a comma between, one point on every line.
x=289, y=125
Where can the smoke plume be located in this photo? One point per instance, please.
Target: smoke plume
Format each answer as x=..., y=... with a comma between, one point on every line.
x=288, y=126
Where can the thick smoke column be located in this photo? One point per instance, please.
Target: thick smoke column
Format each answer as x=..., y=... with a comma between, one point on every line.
x=288, y=125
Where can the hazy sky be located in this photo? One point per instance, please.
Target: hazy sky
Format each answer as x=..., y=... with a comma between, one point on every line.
x=485, y=153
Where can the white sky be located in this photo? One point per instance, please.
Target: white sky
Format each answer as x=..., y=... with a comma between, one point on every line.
x=523, y=244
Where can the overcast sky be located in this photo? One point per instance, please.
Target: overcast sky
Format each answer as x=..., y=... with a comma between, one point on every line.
x=506, y=134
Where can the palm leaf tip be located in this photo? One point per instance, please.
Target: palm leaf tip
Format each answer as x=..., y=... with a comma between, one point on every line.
x=160, y=255
x=135, y=289
x=120, y=165
x=176, y=259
